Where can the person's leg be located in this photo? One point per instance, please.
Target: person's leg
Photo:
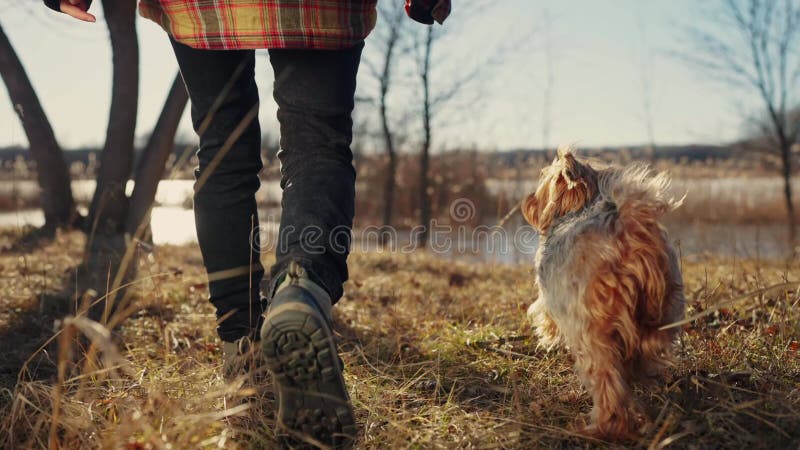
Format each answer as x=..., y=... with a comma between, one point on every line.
x=224, y=101
x=315, y=91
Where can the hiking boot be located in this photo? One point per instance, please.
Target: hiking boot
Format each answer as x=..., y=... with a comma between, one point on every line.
x=300, y=352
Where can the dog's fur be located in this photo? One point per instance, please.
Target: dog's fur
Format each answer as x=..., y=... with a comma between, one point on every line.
x=608, y=279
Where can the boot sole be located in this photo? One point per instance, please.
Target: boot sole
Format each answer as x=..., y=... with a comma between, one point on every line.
x=313, y=404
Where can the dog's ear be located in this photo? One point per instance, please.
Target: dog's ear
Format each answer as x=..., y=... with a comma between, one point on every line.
x=572, y=170
x=529, y=206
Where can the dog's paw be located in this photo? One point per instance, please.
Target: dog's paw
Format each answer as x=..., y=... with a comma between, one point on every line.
x=630, y=429
x=584, y=427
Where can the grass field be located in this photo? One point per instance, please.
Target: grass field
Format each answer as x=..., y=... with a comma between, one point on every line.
x=438, y=355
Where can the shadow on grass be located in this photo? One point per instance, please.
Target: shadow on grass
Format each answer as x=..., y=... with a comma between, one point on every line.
x=24, y=341
x=731, y=410
x=30, y=238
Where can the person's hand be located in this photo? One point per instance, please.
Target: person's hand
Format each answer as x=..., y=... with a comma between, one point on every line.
x=428, y=11
x=77, y=9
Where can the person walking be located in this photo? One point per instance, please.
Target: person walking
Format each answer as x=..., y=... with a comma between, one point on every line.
x=314, y=48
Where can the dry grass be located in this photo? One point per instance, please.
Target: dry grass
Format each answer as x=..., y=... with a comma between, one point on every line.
x=438, y=355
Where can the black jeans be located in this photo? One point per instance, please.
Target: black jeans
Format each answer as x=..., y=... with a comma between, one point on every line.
x=314, y=90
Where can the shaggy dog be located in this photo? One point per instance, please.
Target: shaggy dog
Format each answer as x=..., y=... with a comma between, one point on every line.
x=608, y=279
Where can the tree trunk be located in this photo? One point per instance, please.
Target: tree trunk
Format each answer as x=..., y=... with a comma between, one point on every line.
x=424, y=160
x=153, y=161
x=388, y=190
x=391, y=169
x=110, y=259
x=109, y=204
x=786, y=171
x=51, y=167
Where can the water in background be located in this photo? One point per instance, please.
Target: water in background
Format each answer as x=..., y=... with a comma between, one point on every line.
x=169, y=193
x=173, y=221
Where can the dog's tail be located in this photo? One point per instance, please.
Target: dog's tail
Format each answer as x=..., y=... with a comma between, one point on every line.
x=636, y=190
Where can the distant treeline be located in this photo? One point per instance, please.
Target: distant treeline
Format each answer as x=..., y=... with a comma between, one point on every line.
x=673, y=153
x=84, y=161
x=670, y=153
x=83, y=155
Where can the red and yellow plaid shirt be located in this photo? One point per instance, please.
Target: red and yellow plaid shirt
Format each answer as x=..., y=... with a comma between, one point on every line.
x=249, y=24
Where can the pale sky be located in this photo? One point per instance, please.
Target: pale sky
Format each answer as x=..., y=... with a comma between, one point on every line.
x=596, y=95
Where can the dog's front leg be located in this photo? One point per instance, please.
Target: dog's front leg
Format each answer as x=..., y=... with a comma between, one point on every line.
x=545, y=328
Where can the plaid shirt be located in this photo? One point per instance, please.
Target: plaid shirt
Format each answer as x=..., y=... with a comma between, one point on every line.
x=248, y=24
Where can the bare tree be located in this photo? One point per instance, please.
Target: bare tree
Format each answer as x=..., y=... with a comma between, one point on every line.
x=453, y=101
x=381, y=69
x=108, y=261
x=394, y=22
x=425, y=147
x=51, y=167
x=458, y=97
x=755, y=45
x=109, y=204
x=118, y=223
